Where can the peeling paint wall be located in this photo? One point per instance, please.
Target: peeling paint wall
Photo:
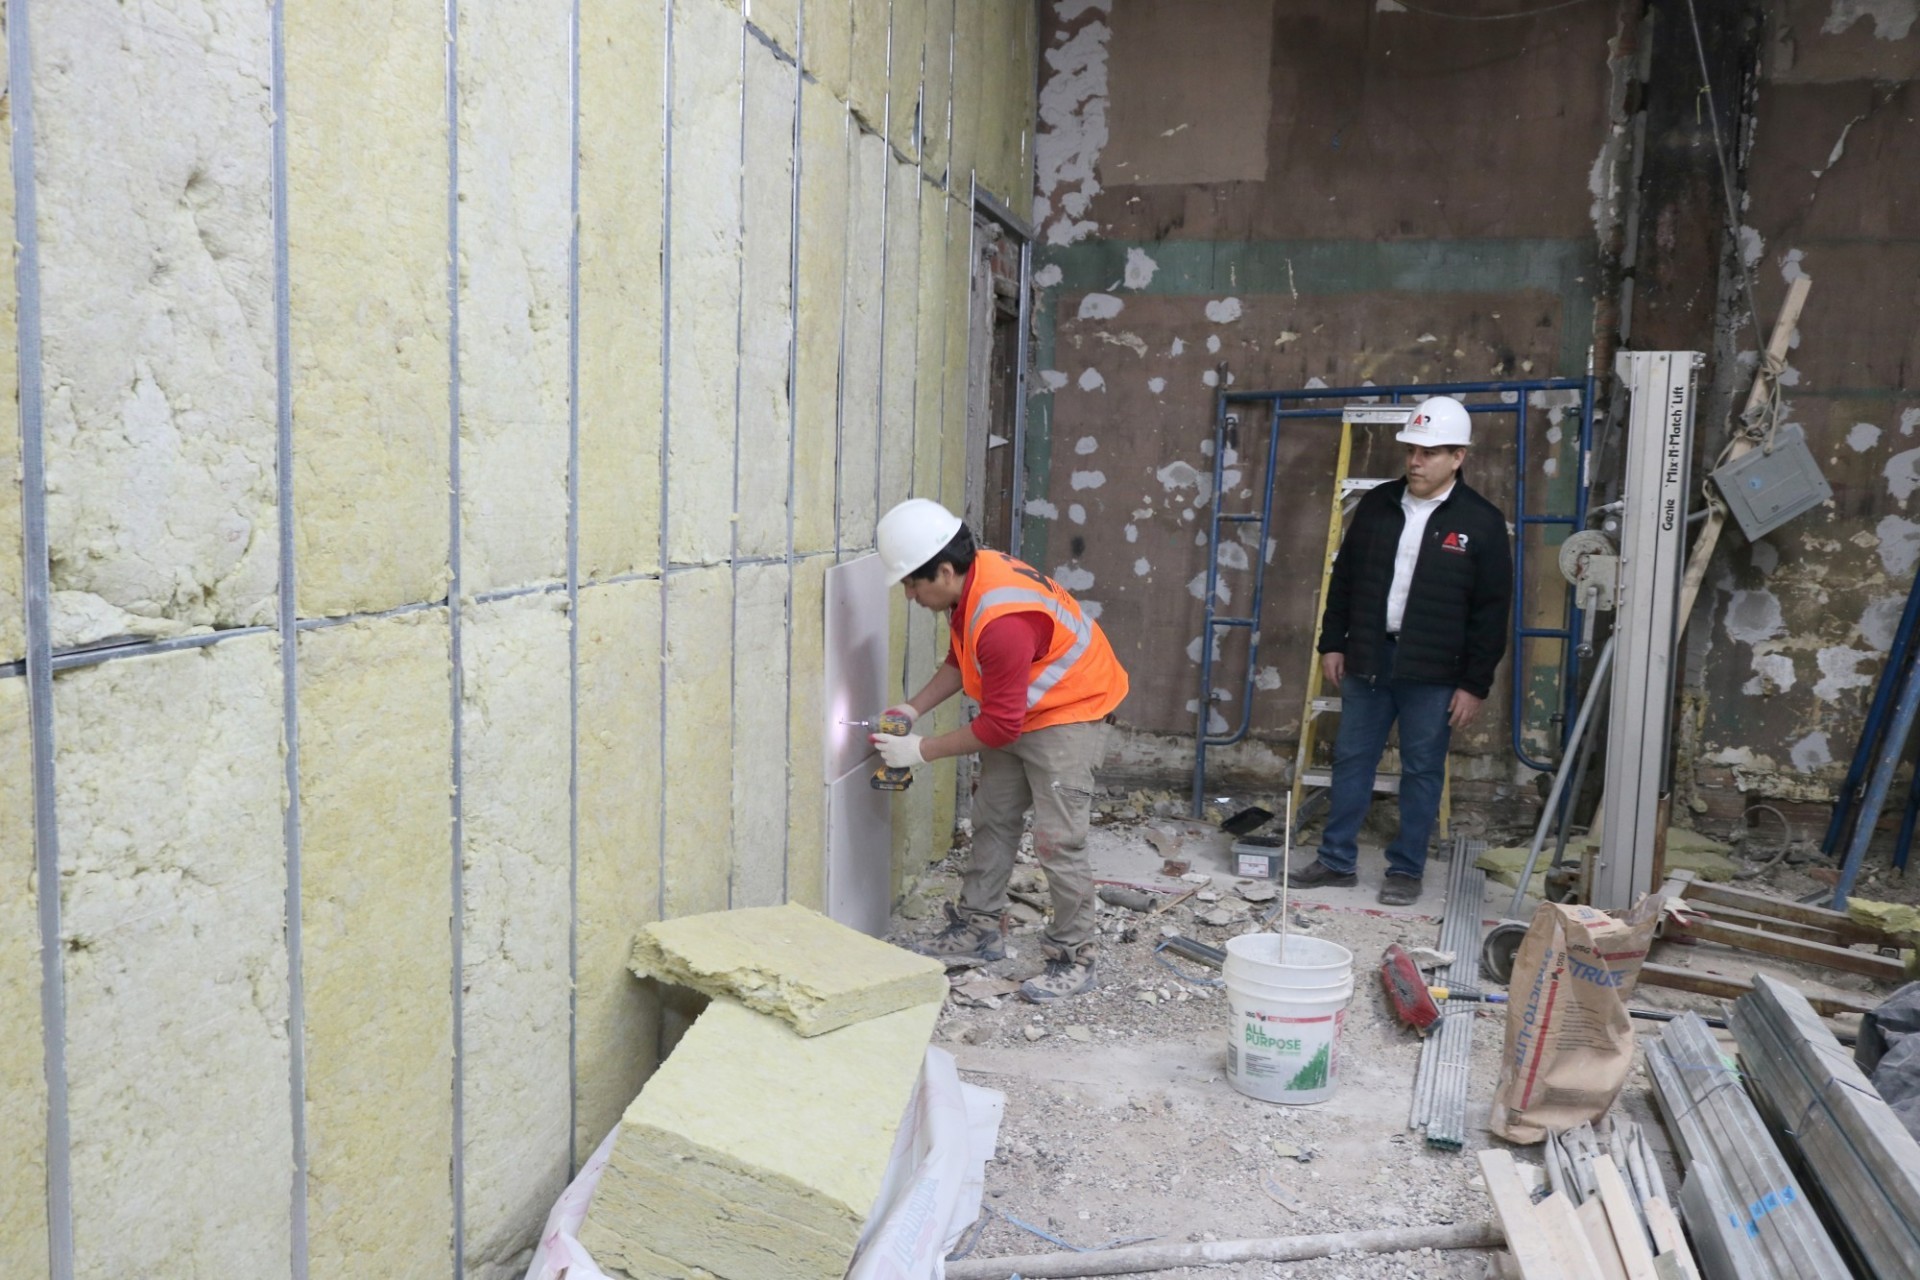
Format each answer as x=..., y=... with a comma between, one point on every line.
x=1319, y=238
x=1790, y=635
x=602, y=346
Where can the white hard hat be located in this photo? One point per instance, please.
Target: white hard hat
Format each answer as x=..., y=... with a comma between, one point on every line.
x=911, y=534
x=1438, y=422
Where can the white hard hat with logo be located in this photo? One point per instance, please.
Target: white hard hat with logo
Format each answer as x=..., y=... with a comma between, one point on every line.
x=911, y=534
x=1438, y=422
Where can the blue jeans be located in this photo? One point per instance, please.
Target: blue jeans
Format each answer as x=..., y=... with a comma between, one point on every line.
x=1368, y=709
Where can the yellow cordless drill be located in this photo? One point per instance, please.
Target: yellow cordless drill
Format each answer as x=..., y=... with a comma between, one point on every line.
x=885, y=779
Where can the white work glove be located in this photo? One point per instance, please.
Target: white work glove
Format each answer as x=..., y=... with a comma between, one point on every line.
x=900, y=751
x=904, y=709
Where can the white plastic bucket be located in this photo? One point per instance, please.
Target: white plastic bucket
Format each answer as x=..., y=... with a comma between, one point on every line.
x=1283, y=1044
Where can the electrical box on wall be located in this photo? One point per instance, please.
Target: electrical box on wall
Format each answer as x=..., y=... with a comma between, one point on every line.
x=1765, y=488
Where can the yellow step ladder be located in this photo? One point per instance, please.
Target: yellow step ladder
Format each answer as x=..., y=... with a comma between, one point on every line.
x=1310, y=773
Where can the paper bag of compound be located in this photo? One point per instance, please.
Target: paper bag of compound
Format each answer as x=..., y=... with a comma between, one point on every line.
x=1569, y=1039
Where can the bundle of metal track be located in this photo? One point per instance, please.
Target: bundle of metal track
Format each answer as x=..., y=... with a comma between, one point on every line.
x=1749, y=1217
x=1861, y=1160
x=1440, y=1084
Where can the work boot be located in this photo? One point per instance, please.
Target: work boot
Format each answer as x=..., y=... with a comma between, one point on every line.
x=1318, y=875
x=1399, y=891
x=964, y=937
x=1069, y=972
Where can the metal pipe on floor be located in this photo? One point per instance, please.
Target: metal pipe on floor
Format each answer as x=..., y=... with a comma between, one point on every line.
x=1164, y=1257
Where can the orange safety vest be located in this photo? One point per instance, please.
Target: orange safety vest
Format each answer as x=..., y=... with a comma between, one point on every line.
x=1076, y=679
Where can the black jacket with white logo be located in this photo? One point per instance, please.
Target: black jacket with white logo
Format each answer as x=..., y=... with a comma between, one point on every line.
x=1455, y=627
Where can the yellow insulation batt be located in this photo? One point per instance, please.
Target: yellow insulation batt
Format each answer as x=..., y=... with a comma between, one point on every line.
x=790, y=962
x=756, y=1153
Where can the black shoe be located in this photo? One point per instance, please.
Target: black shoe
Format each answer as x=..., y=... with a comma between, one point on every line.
x=1400, y=891
x=1318, y=875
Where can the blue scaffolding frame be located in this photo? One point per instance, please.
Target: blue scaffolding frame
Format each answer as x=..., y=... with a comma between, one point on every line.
x=1513, y=400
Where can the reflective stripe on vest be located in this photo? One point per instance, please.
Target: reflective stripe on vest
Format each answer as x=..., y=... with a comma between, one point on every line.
x=1052, y=673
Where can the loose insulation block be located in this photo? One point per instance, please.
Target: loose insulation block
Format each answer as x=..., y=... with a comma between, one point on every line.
x=779, y=20
x=860, y=386
x=867, y=83
x=828, y=44
x=806, y=730
x=790, y=962
x=516, y=216
x=159, y=413
x=622, y=163
x=376, y=891
x=616, y=1019
x=749, y=1156
x=906, y=48
x=929, y=383
x=367, y=270
x=13, y=633
x=703, y=304
x=515, y=953
x=699, y=740
x=173, y=919
x=760, y=747
x=899, y=374
x=766, y=316
x=936, y=94
x=23, y=1083
x=818, y=310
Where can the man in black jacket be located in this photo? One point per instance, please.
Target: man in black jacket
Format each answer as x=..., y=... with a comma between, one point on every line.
x=1415, y=624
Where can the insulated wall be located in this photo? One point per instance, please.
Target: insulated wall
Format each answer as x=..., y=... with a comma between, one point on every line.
x=441, y=431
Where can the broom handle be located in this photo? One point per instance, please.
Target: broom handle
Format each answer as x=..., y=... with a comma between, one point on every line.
x=1286, y=861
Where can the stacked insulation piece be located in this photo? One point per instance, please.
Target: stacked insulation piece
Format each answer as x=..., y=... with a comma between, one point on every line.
x=758, y=1149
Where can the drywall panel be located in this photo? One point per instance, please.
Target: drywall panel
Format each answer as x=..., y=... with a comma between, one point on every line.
x=367, y=267
x=829, y=43
x=818, y=309
x=376, y=892
x=173, y=916
x=766, y=317
x=760, y=748
x=857, y=672
x=699, y=740
x=703, y=301
x=779, y=21
x=1171, y=66
x=867, y=86
x=860, y=385
x=898, y=374
x=622, y=150
x=859, y=853
x=914, y=836
x=807, y=735
x=936, y=95
x=13, y=637
x=23, y=1088
x=160, y=427
x=931, y=333
x=619, y=797
x=516, y=215
x=969, y=71
x=905, y=49
x=515, y=954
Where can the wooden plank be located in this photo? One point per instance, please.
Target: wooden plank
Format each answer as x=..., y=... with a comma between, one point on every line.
x=1881, y=968
x=1671, y=1240
x=1593, y=1221
x=1525, y=1238
x=1628, y=1233
x=1748, y=902
x=1567, y=1238
x=1714, y=984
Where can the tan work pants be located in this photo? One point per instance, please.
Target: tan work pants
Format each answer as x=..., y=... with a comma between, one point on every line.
x=1050, y=770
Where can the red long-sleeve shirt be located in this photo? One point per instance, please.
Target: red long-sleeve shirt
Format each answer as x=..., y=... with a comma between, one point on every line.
x=1007, y=648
